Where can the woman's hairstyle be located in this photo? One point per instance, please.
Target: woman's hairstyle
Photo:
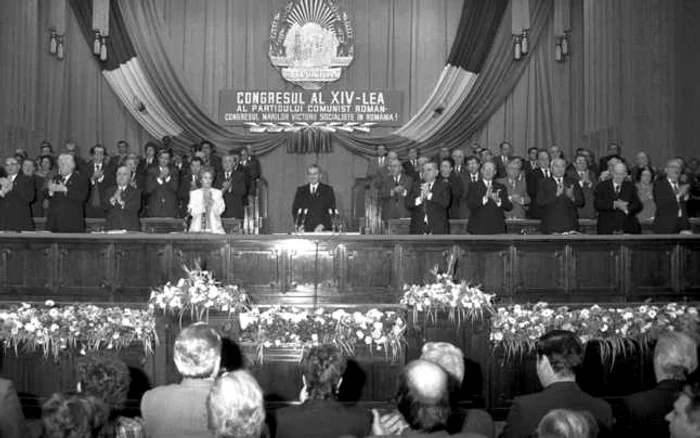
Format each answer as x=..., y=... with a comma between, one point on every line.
x=105, y=377
x=638, y=174
x=52, y=162
x=235, y=406
x=563, y=423
x=77, y=416
x=207, y=169
x=323, y=367
x=197, y=351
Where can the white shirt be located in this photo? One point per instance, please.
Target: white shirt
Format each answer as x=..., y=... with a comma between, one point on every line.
x=313, y=188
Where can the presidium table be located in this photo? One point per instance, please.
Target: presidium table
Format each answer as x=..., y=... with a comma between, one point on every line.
x=356, y=271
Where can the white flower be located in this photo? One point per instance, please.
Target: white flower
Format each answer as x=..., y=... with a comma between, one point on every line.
x=360, y=334
x=497, y=336
x=50, y=303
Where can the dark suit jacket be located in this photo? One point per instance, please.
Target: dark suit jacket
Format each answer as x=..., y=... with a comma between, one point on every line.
x=11, y=418
x=317, y=206
x=394, y=205
x=435, y=209
x=527, y=411
x=375, y=172
x=16, y=206
x=456, y=195
x=534, y=180
x=162, y=198
x=666, y=220
x=642, y=415
x=559, y=213
x=123, y=217
x=500, y=167
x=254, y=172
x=94, y=206
x=467, y=184
x=67, y=210
x=611, y=219
x=487, y=218
x=178, y=410
x=321, y=419
x=39, y=196
x=528, y=167
x=235, y=196
x=410, y=170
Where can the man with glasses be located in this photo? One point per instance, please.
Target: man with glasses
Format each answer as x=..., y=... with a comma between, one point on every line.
x=16, y=196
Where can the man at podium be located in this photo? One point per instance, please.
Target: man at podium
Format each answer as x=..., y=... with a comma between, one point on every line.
x=314, y=203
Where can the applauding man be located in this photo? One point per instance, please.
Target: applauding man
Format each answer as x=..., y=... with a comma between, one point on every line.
x=233, y=183
x=617, y=203
x=487, y=201
x=428, y=201
x=559, y=197
x=68, y=192
x=162, y=184
x=123, y=202
x=17, y=193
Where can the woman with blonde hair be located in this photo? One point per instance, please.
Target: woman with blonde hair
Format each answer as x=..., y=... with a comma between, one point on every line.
x=563, y=423
x=206, y=206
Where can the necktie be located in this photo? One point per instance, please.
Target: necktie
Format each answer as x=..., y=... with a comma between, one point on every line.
x=381, y=161
x=396, y=180
x=617, y=189
x=675, y=188
x=558, y=182
x=65, y=180
x=473, y=178
x=546, y=173
x=228, y=175
x=413, y=163
x=313, y=190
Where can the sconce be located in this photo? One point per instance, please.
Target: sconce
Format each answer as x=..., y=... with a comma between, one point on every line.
x=562, y=47
x=558, y=52
x=56, y=45
x=524, y=42
x=517, y=47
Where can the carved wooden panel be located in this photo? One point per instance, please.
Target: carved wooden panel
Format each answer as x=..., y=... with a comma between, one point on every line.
x=540, y=272
x=651, y=272
x=371, y=274
x=138, y=268
x=486, y=264
x=330, y=265
x=597, y=272
x=690, y=265
x=212, y=255
x=259, y=268
x=84, y=270
x=27, y=269
x=419, y=259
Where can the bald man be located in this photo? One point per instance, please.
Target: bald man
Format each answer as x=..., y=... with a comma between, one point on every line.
x=559, y=198
x=617, y=203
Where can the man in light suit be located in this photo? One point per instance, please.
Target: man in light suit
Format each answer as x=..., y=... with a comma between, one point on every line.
x=314, y=203
x=617, y=204
x=516, y=186
x=393, y=191
x=428, y=202
x=68, y=192
x=670, y=197
x=17, y=192
x=122, y=203
x=488, y=200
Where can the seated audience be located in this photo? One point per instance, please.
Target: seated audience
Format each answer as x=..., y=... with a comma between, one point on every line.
x=75, y=416
x=162, y=183
x=314, y=203
x=684, y=419
x=232, y=181
x=563, y=423
x=559, y=354
x=235, y=406
x=448, y=177
x=67, y=192
x=11, y=417
x=670, y=197
x=107, y=378
x=643, y=413
x=17, y=193
x=428, y=202
x=559, y=198
x=617, y=204
x=645, y=191
x=586, y=180
x=206, y=206
x=535, y=179
x=122, y=203
x=37, y=206
x=516, y=186
x=393, y=191
x=319, y=414
x=488, y=200
x=101, y=177
x=180, y=409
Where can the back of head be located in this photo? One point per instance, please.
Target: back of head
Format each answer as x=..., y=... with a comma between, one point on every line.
x=323, y=368
x=75, y=416
x=235, y=406
x=423, y=396
x=105, y=377
x=563, y=350
x=198, y=351
x=449, y=357
x=675, y=356
x=563, y=423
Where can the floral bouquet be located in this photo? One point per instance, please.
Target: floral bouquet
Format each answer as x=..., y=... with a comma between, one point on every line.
x=55, y=328
x=617, y=330
x=198, y=294
x=301, y=328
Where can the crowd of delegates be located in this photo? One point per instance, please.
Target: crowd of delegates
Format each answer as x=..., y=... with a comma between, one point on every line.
x=488, y=189
x=213, y=402
x=200, y=185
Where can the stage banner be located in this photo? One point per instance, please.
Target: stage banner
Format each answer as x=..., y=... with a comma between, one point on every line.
x=322, y=107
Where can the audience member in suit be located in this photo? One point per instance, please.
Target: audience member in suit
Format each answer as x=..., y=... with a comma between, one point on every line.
x=560, y=198
x=251, y=164
x=617, y=204
x=410, y=166
x=643, y=414
x=236, y=407
x=641, y=162
x=460, y=167
x=587, y=181
x=376, y=167
x=645, y=191
x=138, y=181
x=119, y=159
x=150, y=159
x=101, y=177
x=17, y=192
x=29, y=169
x=684, y=419
x=516, y=186
x=428, y=202
x=314, y=203
x=180, y=409
x=319, y=414
x=485, y=155
x=530, y=162
x=448, y=176
x=423, y=400
x=71, y=148
x=559, y=353
x=46, y=149
x=614, y=150
x=162, y=184
x=11, y=418
x=189, y=181
x=606, y=172
x=232, y=181
x=503, y=159
x=72, y=416
x=393, y=191
x=122, y=203
x=67, y=195
x=670, y=198
x=534, y=181
x=472, y=176
x=555, y=153
x=565, y=423
x=180, y=163
x=488, y=200
x=210, y=158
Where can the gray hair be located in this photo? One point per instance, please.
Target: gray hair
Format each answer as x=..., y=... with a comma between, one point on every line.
x=563, y=423
x=197, y=351
x=235, y=406
x=675, y=356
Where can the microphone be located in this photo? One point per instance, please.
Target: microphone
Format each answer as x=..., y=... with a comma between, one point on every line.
x=303, y=219
x=297, y=223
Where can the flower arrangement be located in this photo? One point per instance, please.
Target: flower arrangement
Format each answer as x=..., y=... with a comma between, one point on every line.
x=300, y=328
x=55, y=328
x=199, y=293
x=517, y=327
x=461, y=300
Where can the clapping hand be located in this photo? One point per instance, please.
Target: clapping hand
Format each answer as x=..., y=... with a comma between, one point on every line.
x=424, y=190
x=318, y=228
x=683, y=190
x=560, y=190
x=621, y=205
x=5, y=186
x=117, y=197
x=97, y=175
x=495, y=196
x=569, y=192
x=164, y=172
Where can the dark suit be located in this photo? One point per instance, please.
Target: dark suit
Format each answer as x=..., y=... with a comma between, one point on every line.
x=487, y=218
x=529, y=166
x=178, y=410
x=124, y=217
x=321, y=419
x=642, y=415
x=67, y=210
x=610, y=219
x=501, y=166
x=376, y=171
x=534, y=180
x=588, y=210
x=559, y=213
x=456, y=195
x=95, y=206
x=667, y=219
x=11, y=418
x=235, y=196
x=394, y=205
x=435, y=209
x=39, y=196
x=527, y=411
x=254, y=172
x=162, y=196
x=467, y=184
x=410, y=169
x=16, y=205
x=317, y=204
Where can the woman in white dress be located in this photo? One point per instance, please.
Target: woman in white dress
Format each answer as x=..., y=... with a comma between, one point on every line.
x=206, y=206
